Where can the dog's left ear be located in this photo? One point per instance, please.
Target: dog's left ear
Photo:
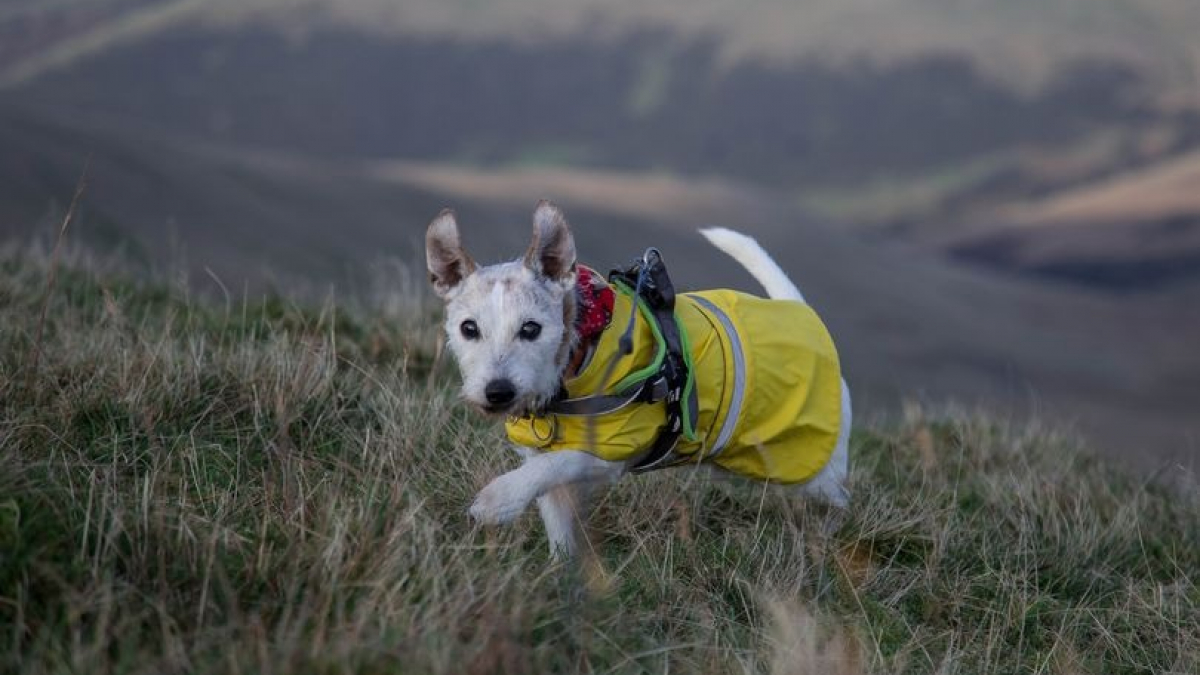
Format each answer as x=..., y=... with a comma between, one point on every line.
x=552, y=252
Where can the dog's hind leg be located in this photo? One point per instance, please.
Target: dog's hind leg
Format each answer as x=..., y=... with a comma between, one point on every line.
x=830, y=484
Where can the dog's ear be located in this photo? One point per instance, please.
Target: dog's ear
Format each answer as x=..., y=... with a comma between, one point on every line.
x=552, y=252
x=447, y=260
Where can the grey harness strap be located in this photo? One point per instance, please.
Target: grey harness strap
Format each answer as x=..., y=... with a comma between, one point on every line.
x=652, y=390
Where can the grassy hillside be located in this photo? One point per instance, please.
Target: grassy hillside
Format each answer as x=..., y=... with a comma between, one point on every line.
x=255, y=486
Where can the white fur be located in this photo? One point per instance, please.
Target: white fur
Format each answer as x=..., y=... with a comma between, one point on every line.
x=757, y=262
x=564, y=508
x=508, y=495
x=830, y=482
x=500, y=299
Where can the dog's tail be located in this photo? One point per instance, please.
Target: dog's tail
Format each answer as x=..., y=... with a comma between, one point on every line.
x=756, y=261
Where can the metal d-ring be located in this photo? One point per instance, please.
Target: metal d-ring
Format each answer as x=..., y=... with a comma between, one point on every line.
x=533, y=425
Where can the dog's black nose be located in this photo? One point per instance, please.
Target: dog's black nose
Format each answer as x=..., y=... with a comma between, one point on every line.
x=499, y=392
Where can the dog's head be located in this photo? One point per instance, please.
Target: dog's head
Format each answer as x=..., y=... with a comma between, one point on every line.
x=510, y=325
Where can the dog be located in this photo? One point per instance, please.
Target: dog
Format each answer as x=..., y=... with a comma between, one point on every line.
x=537, y=340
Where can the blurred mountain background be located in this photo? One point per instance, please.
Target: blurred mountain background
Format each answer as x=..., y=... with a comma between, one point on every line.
x=993, y=202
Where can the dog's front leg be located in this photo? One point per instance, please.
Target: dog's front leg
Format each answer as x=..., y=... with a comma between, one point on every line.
x=563, y=510
x=508, y=495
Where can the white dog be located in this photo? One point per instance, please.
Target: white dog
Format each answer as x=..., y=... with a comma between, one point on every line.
x=599, y=379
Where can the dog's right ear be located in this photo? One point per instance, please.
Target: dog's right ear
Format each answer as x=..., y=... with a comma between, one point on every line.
x=447, y=260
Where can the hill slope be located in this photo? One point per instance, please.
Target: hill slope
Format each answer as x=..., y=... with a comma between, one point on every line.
x=209, y=488
x=1138, y=228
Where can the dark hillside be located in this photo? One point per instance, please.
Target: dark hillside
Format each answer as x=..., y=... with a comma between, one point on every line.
x=926, y=149
x=633, y=104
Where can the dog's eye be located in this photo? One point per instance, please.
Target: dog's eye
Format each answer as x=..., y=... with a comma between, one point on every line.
x=469, y=330
x=530, y=330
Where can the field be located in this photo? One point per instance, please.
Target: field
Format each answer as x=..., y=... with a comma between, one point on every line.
x=234, y=484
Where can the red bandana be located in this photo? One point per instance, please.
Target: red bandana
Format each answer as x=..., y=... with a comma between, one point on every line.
x=595, y=300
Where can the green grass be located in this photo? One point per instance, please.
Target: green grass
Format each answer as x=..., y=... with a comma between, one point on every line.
x=273, y=487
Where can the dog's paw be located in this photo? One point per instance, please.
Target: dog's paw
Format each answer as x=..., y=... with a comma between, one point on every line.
x=501, y=501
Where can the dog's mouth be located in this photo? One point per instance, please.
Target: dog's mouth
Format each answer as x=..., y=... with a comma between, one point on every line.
x=522, y=405
x=518, y=408
x=497, y=409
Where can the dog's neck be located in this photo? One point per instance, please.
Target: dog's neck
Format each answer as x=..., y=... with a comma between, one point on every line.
x=578, y=357
x=592, y=314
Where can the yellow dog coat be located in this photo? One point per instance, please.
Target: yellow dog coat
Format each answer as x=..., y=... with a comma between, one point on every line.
x=766, y=374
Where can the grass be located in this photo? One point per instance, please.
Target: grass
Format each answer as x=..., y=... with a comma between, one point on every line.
x=266, y=486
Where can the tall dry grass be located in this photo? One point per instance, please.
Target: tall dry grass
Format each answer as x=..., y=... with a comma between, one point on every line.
x=267, y=486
